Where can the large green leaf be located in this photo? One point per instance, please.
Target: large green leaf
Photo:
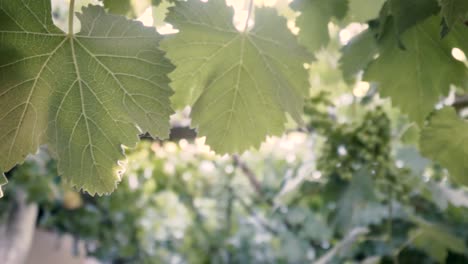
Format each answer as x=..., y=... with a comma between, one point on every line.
x=240, y=84
x=454, y=11
x=445, y=140
x=416, y=77
x=83, y=95
x=314, y=18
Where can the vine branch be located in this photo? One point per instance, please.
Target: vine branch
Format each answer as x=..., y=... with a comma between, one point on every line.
x=249, y=174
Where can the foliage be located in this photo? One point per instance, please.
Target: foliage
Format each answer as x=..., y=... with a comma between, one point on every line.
x=346, y=183
x=181, y=202
x=217, y=65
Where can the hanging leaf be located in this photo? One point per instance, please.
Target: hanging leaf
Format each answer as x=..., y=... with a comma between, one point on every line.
x=84, y=95
x=415, y=78
x=444, y=140
x=239, y=84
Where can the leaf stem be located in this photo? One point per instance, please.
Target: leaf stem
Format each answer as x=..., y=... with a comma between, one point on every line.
x=71, y=14
x=251, y=5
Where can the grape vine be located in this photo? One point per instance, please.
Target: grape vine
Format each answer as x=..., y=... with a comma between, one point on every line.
x=87, y=95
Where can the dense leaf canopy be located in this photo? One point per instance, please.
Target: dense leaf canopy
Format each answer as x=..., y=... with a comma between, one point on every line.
x=88, y=94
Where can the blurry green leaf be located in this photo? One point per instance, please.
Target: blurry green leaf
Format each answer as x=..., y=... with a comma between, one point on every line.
x=82, y=94
x=357, y=54
x=314, y=18
x=426, y=64
x=454, y=11
x=240, y=84
x=316, y=228
x=358, y=204
x=436, y=241
x=412, y=159
x=445, y=141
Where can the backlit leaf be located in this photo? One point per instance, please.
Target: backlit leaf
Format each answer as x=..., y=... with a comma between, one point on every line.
x=240, y=84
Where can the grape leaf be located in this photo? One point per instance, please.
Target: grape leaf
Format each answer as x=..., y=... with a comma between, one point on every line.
x=416, y=77
x=454, y=11
x=357, y=54
x=314, y=18
x=444, y=140
x=84, y=95
x=3, y=181
x=239, y=83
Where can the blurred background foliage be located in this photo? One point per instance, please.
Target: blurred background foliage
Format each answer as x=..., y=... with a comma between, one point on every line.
x=351, y=187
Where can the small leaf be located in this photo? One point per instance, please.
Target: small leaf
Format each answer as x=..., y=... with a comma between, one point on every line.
x=83, y=95
x=240, y=84
x=445, y=140
x=314, y=18
x=357, y=54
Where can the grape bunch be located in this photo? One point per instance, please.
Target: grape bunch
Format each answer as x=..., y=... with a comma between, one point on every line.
x=349, y=147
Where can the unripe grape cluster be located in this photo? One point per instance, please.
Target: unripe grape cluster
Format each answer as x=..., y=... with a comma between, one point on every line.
x=349, y=147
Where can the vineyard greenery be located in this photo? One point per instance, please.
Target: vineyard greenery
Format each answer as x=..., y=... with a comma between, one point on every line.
x=326, y=130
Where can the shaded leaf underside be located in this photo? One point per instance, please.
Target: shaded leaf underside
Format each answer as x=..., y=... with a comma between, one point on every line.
x=83, y=95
